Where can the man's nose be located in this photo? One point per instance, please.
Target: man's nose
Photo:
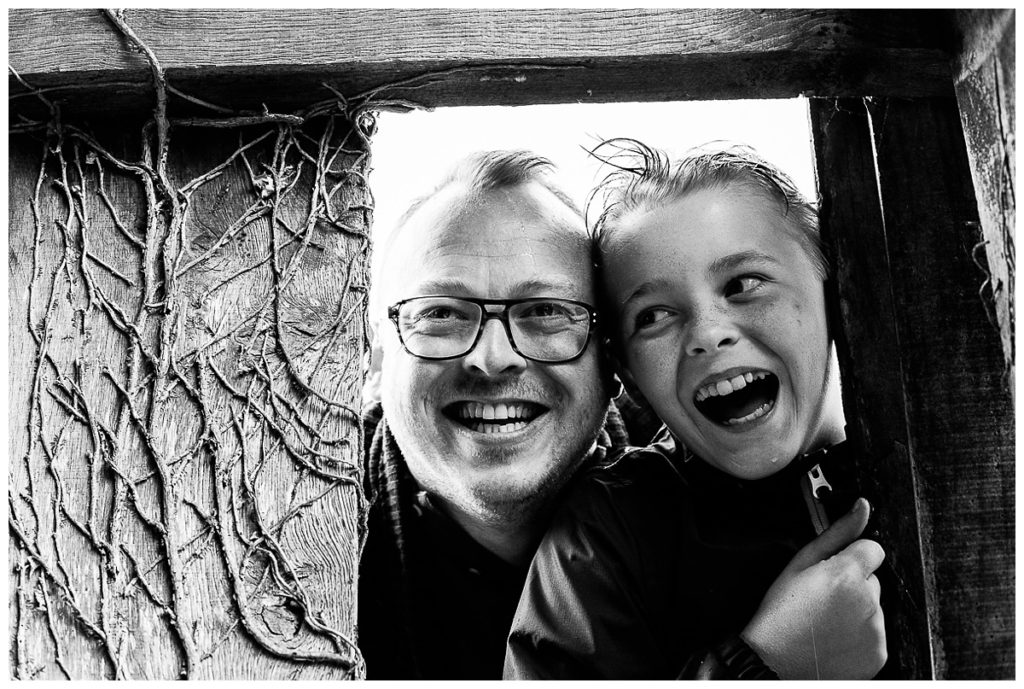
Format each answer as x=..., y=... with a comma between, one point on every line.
x=493, y=354
x=710, y=330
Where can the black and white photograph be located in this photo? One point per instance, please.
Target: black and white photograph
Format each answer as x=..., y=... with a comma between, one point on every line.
x=511, y=343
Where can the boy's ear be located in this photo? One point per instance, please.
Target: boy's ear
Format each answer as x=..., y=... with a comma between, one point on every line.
x=833, y=316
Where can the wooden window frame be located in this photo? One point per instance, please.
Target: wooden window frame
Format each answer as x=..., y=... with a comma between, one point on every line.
x=928, y=378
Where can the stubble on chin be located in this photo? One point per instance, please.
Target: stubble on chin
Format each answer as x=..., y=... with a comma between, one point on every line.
x=538, y=498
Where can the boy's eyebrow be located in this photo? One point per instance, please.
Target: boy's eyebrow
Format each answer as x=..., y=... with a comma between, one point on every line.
x=733, y=261
x=720, y=265
x=646, y=288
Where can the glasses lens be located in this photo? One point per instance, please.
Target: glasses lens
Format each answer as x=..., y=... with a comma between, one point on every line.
x=438, y=327
x=550, y=329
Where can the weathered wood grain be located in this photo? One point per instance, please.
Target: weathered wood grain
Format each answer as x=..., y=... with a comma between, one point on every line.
x=986, y=92
x=183, y=491
x=959, y=397
x=923, y=369
x=864, y=323
x=281, y=57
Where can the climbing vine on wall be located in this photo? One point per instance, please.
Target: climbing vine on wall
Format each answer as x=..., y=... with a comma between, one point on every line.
x=188, y=301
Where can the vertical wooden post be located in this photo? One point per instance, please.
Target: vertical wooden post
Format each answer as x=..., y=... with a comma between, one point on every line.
x=922, y=371
x=983, y=68
x=186, y=347
x=868, y=343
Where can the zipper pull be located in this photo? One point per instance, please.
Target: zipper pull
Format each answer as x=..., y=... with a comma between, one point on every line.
x=813, y=482
x=818, y=481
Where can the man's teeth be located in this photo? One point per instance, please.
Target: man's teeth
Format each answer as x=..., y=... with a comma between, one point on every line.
x=498, y=412
x=486, y=428
x=501, y=417
x=729, y=386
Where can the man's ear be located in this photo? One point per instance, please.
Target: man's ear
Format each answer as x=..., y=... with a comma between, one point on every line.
x=608, y=364
x=626, y=377
x=372, y=369
x=628, y=385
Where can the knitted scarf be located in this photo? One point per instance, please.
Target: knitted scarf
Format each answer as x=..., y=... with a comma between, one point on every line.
x=391, y=490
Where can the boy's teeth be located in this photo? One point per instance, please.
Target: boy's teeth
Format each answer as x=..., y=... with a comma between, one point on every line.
x=756, y=414
x=729, y=385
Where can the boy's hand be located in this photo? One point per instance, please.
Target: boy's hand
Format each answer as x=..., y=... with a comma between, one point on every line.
x=821, y=618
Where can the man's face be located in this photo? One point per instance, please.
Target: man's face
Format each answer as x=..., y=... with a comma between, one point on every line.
x=446, y=415
x=721, y=320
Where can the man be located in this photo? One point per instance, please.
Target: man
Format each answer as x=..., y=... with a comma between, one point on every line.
x=492, y=395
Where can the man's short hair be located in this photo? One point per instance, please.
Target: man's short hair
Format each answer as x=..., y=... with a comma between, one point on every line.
x=644, y=177
x=478, y=172
x=487, y=170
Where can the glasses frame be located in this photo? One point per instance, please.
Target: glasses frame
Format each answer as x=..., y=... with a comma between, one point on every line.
x=502, y=316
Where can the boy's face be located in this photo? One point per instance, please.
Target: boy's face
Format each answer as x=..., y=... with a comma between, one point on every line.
x=721, y=324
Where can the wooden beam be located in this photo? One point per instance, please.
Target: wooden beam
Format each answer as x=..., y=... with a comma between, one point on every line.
x=984, y=50
x=246, y=58
x=924, y=388
x=864, y=325
x=959, y=401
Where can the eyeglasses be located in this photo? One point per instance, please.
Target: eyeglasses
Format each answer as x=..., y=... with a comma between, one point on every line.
x=540, y=329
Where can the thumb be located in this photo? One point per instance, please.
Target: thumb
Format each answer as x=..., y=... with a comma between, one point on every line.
x=842, y=533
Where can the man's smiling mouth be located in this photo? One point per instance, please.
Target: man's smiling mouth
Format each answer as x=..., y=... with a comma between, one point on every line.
x=739, y=399
x=494, y=417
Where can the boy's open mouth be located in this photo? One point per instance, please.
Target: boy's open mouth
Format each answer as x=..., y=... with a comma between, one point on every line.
x=738, y=400
x=494, y=417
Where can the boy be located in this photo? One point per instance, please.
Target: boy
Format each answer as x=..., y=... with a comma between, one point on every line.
x=669, y=564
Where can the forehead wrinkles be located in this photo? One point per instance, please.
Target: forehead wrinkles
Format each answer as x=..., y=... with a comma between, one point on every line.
x=562, y=244
x=518, y=235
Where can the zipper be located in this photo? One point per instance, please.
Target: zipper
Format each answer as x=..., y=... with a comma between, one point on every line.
x=813, y=484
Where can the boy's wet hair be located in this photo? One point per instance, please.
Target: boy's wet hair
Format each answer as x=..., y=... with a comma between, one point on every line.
x=644, y=177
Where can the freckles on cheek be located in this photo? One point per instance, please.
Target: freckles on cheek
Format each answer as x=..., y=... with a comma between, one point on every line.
x=649, y=369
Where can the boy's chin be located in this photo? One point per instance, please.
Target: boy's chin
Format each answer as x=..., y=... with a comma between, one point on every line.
x=751, y=465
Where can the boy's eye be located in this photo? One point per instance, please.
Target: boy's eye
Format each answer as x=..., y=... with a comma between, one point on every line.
x=649, y=317
x=743, y=285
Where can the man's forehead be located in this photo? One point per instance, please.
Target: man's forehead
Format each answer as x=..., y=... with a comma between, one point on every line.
x=521, y=221
x=531, y=202
x=549, y=284
x=499, y=243
x=489, y=245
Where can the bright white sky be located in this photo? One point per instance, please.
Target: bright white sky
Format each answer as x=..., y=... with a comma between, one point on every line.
x=412, y=150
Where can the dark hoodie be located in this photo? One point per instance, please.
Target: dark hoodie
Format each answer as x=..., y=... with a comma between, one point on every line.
x=656, y=562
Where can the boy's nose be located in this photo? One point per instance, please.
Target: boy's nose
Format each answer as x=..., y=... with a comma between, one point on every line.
x=493, y=354
x=710, y=332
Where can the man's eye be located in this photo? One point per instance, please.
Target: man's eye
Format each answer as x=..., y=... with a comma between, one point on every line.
x=545, y=309
x=649, y=317
x=438, y=313
x=745, y=284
